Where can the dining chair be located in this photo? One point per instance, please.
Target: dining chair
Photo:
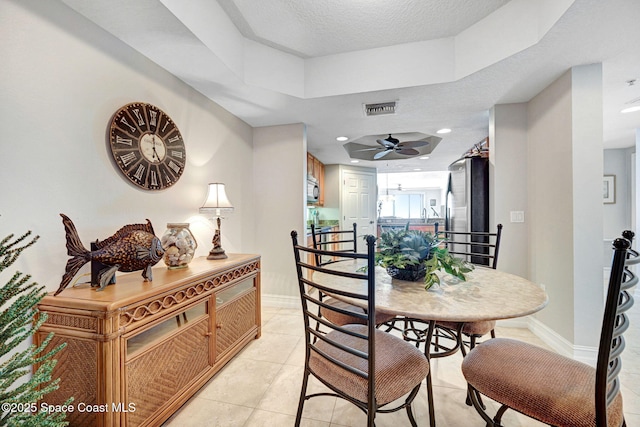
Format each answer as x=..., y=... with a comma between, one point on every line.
x=356, y=362
x=555, y=389
x=479, y=248
x=339, y=241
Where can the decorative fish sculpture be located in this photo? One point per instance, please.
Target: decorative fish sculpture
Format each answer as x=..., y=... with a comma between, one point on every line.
x=133, y=247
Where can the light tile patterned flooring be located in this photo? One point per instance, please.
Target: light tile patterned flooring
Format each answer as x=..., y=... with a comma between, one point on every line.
x=260, y=387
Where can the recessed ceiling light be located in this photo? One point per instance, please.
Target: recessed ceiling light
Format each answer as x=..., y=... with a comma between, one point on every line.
x=424, y=158
x=417, y=169
x=631, y=109
x=342, y=138
x=355, y=161
x=444, y=130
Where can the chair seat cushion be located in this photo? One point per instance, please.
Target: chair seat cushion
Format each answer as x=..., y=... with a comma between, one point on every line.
x=344, y=319
x=471, y=328
x=400, y=366
x=551, y=388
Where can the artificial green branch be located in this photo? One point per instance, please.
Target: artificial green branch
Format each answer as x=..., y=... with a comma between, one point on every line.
x=403, y=248
x=441, y=259
x=20, y=320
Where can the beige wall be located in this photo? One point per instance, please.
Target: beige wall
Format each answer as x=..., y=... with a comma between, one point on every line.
x=565, y=176
x=280, y=202
x=550, y=200
x=61, y=79
x=508, y=183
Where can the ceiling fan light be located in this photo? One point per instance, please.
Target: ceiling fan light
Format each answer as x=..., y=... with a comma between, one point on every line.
x=443, y=130
x=392, y=139
x=342, y=138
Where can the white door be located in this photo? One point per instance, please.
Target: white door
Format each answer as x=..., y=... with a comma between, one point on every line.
x=359, y=196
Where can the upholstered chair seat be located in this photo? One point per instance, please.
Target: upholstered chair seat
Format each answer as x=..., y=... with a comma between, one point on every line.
x=479, y=328
x=399, y=367
x=553, y=389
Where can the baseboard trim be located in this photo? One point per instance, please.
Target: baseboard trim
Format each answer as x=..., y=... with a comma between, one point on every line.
x=519, y=322
x=585, y=354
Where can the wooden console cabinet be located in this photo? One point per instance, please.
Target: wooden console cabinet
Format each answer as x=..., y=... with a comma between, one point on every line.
x=137, y=350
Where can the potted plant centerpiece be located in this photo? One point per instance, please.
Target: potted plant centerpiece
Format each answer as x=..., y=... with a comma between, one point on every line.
x=414, y=254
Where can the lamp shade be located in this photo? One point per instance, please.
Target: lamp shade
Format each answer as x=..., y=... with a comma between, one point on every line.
x=216, y=199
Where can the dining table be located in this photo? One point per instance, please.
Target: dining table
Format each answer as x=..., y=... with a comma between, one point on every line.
x=485, y=294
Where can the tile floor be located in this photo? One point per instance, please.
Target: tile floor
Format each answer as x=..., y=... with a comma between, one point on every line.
x=260, y=387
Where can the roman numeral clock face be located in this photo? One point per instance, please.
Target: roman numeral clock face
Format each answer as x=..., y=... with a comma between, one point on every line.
x=147, y=146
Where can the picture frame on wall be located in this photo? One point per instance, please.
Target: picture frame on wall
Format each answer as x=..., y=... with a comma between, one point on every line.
x=609, y=189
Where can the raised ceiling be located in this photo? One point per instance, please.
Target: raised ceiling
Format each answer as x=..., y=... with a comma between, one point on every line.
x=312, y=28
x=446, y=64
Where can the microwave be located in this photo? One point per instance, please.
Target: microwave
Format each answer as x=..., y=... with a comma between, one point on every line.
x=313, y=190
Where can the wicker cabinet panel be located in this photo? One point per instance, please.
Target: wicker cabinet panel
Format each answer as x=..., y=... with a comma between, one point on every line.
x=234, y=320
x=156, y=376
x=77, y=365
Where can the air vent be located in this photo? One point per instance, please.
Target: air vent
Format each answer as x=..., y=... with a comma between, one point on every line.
x=380, y=108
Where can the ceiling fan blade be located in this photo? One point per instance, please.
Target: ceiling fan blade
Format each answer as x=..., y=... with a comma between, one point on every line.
x=381, y=154
x=413, y=144
x=368, y=149
x=385, y=143
x=407, y=151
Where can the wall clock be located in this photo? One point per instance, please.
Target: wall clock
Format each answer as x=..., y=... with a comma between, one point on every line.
x=147, y=146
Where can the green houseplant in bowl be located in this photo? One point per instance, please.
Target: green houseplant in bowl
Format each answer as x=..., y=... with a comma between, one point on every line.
x=414, y=254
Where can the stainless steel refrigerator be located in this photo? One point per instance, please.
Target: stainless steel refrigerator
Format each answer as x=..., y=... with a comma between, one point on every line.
x=467, y=205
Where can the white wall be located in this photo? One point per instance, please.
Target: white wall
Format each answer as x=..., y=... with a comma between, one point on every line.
x=61, y=79
x=587, y=165
x=617, y=216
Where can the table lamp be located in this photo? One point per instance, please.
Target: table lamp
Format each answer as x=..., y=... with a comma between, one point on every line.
x=215, y=203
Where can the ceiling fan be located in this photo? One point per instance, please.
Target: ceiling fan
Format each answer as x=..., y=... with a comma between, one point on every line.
x=392, y=148
x=390, y=144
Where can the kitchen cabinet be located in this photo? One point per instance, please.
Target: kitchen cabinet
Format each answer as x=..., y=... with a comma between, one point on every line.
x=315, y=168
x=429, y=228
x=137, y=350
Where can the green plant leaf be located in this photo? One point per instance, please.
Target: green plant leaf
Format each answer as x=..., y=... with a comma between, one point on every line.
x=401, y=248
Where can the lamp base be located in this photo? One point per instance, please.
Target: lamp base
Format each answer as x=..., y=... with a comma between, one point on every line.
x=217, y=253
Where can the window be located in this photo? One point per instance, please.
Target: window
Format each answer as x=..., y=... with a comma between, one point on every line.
x=405, y=205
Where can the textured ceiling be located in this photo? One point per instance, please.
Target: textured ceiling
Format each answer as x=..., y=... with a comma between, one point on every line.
x=446, y=63
x=311, y=28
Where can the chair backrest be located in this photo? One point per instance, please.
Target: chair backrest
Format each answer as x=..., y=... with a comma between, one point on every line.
x=614, y=324
x=335, y=240
x=311, y=300
x=481, y=248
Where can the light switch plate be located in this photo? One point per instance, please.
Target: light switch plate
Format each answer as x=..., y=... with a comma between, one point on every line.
x=517, y=216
